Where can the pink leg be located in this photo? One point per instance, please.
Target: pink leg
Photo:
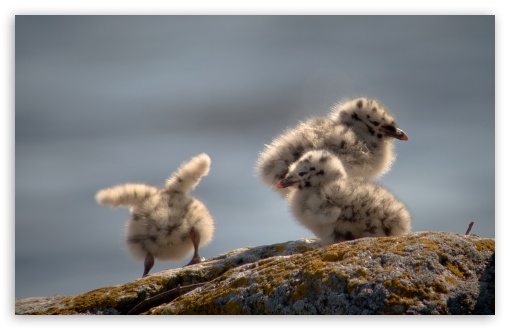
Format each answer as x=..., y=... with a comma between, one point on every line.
x=148, y=263
x=195, y=238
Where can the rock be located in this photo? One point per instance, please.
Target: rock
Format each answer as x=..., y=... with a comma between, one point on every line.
x=421, y=273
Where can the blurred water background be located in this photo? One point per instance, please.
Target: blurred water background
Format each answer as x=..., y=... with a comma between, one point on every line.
x=105, y=100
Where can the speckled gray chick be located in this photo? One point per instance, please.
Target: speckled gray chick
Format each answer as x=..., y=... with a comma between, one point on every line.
x=360, y=131
x=337, y=208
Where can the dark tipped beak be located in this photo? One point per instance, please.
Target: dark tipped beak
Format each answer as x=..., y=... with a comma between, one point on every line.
x=401, y=135
x=285, y=183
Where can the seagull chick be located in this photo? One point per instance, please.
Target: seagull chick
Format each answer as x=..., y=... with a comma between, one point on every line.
x=360, y=131
x=165, y=223
x=337, y=208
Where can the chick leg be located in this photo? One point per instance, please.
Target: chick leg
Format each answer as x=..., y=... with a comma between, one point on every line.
x=148, y=263
x=195, y=238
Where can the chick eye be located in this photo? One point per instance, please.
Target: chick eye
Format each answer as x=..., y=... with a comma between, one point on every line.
x=302, y=173
x=389, y=128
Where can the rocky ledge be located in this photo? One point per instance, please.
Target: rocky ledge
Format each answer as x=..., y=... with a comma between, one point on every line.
x=422, y=273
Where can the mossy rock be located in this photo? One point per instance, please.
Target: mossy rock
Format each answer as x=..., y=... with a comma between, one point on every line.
x=421, y=273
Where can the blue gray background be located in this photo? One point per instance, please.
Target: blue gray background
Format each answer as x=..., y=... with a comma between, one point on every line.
x=105, y=100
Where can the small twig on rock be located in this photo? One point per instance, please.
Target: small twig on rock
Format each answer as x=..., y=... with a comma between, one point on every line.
x=164, y=297
x=469, y=228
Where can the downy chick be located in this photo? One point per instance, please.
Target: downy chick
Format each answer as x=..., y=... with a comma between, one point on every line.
x=165, y=223
x=360, y=131
x=337, y=208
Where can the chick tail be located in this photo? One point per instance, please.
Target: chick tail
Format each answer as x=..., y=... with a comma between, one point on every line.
x=125, y=195
x=187, y=177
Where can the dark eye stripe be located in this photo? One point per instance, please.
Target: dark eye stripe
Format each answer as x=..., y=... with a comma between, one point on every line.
x=389, y=128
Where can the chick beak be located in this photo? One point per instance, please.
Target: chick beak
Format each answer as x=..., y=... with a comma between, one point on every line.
x=401, y=135
x=285, y=183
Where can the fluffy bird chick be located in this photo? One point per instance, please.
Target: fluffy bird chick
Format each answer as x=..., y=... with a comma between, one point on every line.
x=337, y=208
x=360, y=131
x=165, y=223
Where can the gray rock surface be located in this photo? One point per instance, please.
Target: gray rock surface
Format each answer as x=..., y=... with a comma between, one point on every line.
x=422, y=273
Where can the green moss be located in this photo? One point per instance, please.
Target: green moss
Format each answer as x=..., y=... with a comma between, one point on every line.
x=300, y=293
x=397, y=304
x=303, y=249
x=403, y=291
x=239, y=282
x=267, y=289
x=97, y=299
x=438, y=287
x=280, y=248
x=233, y=308
x=485, y=245
x=351, y=286
x=361, y=272
x=57, y=311
x=456, y=270
x=333, y=256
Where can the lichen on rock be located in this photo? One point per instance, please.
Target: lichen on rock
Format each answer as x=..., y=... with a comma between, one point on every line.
x=421, y=273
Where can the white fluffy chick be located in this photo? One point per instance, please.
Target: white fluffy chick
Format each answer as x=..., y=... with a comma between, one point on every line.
x=360, y=131
x=337, y=208
x=165, y=223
